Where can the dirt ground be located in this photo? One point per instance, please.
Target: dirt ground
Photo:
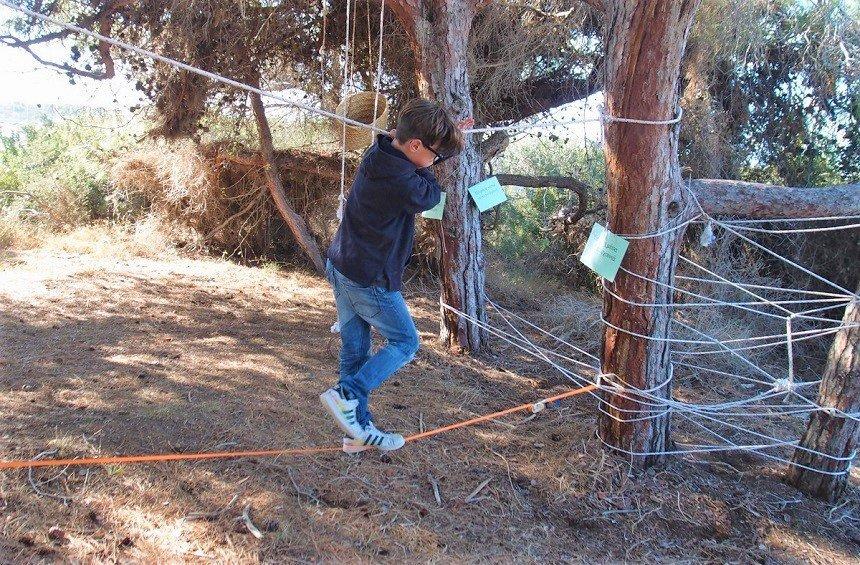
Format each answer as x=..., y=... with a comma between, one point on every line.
x=107, y=350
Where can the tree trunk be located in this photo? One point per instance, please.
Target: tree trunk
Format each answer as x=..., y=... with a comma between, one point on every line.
x=439, y=32
x=645, y=43
x=295, y=222
x=763, y=201
x=835, y=434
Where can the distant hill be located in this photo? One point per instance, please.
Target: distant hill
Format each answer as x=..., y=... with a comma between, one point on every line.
x=14, y=116
x=20, y=114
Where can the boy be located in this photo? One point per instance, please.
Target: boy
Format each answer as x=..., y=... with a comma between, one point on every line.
x=367, y=257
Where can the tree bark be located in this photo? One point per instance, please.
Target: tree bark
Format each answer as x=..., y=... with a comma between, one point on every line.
x=645, y=43
x=296, y=223
x=570, y=183
x=763, y=201
x=439, y=33
x=833, y=434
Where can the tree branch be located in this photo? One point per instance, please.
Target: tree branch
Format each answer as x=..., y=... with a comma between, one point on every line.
x=103, y=17
x=66, y=68
x=496, y=143
x=295, y=222
x=544, y=93
x=595, y=4
x=763, y=201
x=570, y=183
x=566, y=215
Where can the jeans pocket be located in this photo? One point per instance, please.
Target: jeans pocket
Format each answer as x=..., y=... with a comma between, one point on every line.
x=365, y=301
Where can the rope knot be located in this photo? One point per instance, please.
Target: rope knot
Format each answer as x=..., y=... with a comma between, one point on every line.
x=783, y=385
x=707, y=238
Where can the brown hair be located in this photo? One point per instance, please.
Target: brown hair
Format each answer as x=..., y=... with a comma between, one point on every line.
x=428, y=121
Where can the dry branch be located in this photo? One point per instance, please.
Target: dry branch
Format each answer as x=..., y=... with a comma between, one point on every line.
x=295, y=222
x=763, y=201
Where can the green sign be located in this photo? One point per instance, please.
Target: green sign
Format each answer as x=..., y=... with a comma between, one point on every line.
x=487, y=194
x=435, y=213
x=603, y=252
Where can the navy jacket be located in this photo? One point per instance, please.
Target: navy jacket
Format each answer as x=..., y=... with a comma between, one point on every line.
x=374, y=241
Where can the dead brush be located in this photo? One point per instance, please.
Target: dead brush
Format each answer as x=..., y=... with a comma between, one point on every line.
x=221, y=192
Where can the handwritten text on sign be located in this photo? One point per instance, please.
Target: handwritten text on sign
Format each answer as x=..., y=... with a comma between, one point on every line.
x=603, y=252
x=487, y=194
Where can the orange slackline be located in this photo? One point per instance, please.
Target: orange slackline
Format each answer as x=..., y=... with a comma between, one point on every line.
x=23, y=464
x=519, y=408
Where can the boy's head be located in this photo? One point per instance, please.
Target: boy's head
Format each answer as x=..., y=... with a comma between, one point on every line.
x=426, y=134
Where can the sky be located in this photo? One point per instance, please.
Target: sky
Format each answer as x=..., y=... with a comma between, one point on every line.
x=27, y=81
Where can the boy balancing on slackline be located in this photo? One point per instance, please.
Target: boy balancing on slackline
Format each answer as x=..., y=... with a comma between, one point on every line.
x=367, y=257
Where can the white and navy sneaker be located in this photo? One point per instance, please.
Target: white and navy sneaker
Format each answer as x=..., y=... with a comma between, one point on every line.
x=343, y=411
x=372, y=438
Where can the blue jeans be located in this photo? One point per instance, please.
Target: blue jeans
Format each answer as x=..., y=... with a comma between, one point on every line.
x=358, y=309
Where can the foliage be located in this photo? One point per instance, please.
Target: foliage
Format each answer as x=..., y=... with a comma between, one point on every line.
x=56, y=172
x=772, y=92
x=519, y=232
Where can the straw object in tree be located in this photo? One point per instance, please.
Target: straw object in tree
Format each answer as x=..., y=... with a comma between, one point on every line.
x=359, y=107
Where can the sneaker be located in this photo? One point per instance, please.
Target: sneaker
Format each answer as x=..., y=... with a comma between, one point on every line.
x=372, y=438
x=343, y=411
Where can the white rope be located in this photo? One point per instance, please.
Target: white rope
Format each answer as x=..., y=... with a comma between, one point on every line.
x=661, y=232
x=819, y=333
x=772, y=253
x=695, y=295
x=609, y=118
x=792, y=263
x=311, y=109
x=792, y=220
x=798, y=230
x=341, y=204
x=808, y=334
x=790, y=347
x=668, y=405
x=764, y=287
x=526, y=127
x=180, y=65
x=378, y=84
x=720, y=303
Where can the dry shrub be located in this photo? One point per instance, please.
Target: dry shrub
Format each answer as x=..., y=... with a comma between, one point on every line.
x=575, y=318
x=18, y=231
x=11, y=232
x=62, y=206
x=220, y=193
x=174, y=179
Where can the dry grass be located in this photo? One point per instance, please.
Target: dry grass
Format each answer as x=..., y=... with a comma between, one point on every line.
x=219, y=194
x=106, y=351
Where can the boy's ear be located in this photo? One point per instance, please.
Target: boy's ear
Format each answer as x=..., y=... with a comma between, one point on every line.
x=414, y=144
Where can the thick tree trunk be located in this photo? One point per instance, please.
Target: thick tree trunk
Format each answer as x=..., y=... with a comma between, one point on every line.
x=295, y=222
x=834, y=434
x=763, y=201
x=439, y=31
x=645, y=42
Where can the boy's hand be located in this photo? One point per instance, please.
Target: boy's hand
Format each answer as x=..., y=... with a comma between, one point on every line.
x=466, y=123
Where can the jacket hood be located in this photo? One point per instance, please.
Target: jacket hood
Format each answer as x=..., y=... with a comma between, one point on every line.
x=384, y=160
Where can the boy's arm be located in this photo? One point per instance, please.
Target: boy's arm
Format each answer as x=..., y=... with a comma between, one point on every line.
x=419, y=192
